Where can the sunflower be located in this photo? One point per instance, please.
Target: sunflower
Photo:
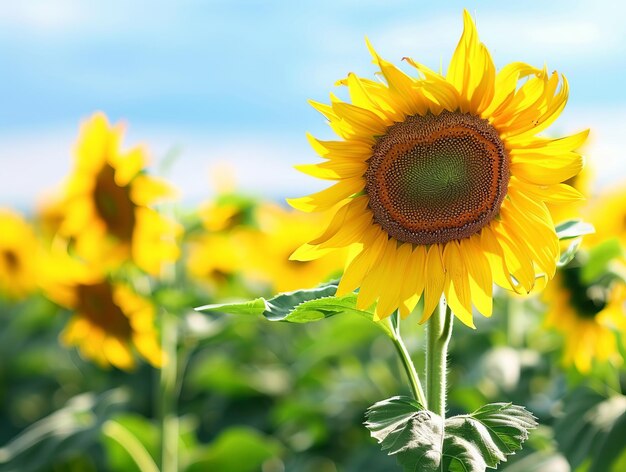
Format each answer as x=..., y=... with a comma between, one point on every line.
x=589, y=315
x=607, y=213
x=281, y=232
x=18, y=256
x=216, y=257
x=108, y=203
x=443, y=181
x=109, y=320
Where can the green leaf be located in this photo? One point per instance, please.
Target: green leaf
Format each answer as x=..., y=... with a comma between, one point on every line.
x=300, y=306
x=468, y=443
x=405, y=428
x=71, y=429
x=237, y=449
x=593, y=428
x=573, y=229
x=497, y=430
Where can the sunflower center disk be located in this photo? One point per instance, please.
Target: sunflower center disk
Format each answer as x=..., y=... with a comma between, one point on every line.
x=435, y=178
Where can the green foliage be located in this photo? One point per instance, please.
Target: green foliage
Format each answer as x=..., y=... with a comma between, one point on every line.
x=300, y=306
x=599, y=258
x=422, y=441
x=592, y=428
x=236, y=449
x=69, y=430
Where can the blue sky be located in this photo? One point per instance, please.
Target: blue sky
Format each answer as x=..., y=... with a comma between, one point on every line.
x=228, y=81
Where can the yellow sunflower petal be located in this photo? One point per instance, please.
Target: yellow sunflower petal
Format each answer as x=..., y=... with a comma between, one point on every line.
x=413, y=283
x=456, y=286
x=395, y=272
x=373, y=247
x=434, y=280
x=403, y=87
x=471, y=70
x=480, y=278
x=329, y=197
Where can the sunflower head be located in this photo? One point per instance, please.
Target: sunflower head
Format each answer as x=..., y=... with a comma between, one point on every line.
x=108, y=202
x=109, y=321
x=589, y=314
x=443, y=182
x=18, y=256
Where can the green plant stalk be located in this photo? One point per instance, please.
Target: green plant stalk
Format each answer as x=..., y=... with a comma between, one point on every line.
x=131, y=444
x=439, y=331
x=407, y=362
x=168, y=394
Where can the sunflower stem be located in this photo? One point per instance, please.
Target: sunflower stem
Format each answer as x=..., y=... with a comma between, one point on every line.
x=129, y=442
x=439, y=332
x=168, y=394
x=405, y=358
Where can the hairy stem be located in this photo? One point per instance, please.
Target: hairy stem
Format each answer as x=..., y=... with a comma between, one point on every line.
x=407, y=362
x=438, y=336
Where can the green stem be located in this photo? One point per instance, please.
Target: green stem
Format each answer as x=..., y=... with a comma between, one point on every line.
x=407, y=362
x=168, y=394
x=131, y=444
x=438, y=336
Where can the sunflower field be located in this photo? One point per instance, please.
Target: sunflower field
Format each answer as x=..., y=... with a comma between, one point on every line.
x=450, y=297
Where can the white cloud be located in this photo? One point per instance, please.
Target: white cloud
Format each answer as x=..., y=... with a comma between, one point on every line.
x=43, y=16
x=575, y=35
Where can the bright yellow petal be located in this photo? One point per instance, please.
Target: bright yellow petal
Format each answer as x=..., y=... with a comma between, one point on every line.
x=480, y=278
x=356, y=270
x=471, y=70
x=434, y=279
x=456, y=286
x=413, y=283
x=329, y=197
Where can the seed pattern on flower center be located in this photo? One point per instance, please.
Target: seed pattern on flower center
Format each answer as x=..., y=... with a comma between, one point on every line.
x=436, y=178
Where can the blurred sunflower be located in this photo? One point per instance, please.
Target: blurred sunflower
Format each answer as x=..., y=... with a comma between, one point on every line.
x=589, y=315
x=281, y=232
x=18, y=256
x=108, y=200
x=215, y=257
x=607, y=213
x=109, y=320
x=443, y=183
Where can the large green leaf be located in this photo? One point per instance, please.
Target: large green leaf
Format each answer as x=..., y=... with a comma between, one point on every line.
x=300, y=306
x=592, y=429
x=468, y=443
x=69, y=430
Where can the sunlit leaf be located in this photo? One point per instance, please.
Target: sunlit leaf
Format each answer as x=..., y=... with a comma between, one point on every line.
x=300, y=306
x=469, y=443
x=573, y=228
